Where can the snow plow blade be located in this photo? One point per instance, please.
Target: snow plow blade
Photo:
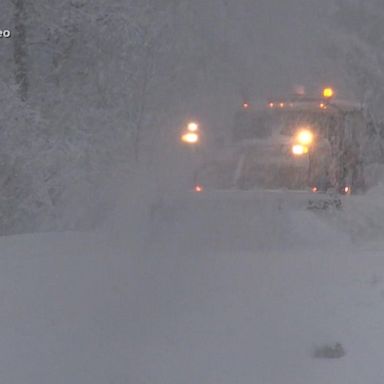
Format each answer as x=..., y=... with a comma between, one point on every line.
x=237, y=219
x=324, y=202
x=247, y=201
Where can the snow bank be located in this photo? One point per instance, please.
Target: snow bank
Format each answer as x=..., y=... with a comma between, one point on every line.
x=362, y=216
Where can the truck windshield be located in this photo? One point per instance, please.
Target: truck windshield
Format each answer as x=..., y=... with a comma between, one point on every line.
x=264, y=124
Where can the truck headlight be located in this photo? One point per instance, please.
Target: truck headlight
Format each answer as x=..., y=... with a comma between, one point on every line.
x=190, y=138
x=305, y=137
x=193, y=127
x=299, y=150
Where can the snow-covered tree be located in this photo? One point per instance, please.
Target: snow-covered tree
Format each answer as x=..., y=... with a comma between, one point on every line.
x=358, y=27
x=20, y=48
x=24, y=200
x=112, y=81
x=355, y=46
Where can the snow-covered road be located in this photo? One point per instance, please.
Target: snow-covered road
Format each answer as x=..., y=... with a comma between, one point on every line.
x=91, y=308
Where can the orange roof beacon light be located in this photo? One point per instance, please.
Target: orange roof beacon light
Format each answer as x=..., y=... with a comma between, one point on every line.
x=245, y=105
x=328, y=92
x=198, y=188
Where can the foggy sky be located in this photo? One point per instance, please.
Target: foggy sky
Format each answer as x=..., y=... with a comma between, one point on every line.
x=274, y=46
x=288, y=46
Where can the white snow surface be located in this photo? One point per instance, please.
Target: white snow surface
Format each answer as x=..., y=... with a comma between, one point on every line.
x=225, y=295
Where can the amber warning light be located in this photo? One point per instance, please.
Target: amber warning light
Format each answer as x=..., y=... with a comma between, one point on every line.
x=328, y=92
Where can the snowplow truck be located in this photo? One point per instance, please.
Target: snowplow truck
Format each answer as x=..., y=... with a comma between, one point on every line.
x=301, y=144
